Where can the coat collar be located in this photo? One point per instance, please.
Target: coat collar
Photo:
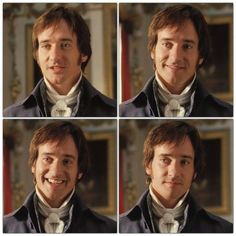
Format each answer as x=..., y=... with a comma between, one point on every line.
x=78, y=211
x=140, y=210
x=89, y=93
x=146, y=96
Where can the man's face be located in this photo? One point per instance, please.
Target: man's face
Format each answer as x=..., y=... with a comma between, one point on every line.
x=59, y=57
x=171, y=171
x=176, y=56
x=56, y=170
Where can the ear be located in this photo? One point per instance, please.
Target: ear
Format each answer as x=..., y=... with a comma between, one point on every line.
x=84, y=58
x=195, y=176
x=153, y=53
x=148, y=168
x=200, y=61
x=33, y=168
x=79, y=176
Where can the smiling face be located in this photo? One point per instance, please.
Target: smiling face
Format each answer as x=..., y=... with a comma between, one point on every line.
x=171, y=171
x=59, y=57
x=56, y=170
x=176, y=56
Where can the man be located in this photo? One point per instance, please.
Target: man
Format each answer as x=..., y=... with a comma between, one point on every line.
x=58, y=158
x=178, y=42
x=172, y=161
x=61, y=47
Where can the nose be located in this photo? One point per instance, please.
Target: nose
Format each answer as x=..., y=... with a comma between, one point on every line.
x=55, y=53
x=173, y=170
x=176, y=54
x=56, y=169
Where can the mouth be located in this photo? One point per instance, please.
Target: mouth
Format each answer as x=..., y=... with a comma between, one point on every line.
x=55, y=181
x=57, y=69
x=175, y=67
x=172, y=184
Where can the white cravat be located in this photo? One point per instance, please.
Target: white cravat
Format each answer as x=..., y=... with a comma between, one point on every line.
x=53, y=216
x=174, y=103
x=164, y=217
x=62, y=103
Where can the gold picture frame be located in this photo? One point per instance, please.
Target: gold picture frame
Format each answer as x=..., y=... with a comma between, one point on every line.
x=102, y=180
x=217, y=74
x=214, y=192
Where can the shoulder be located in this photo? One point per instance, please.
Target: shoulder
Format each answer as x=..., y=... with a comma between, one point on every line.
x=136, y=220
x=216, y=107
x=99, y=104
x=215, y=223
x=98, y=223
x=28, y=106
x=141, y=104
x=15, y=222
x=89, y=221
x=208, y=105
x=202, y=221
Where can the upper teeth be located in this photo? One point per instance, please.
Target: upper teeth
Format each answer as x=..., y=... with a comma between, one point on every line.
x=55, y=181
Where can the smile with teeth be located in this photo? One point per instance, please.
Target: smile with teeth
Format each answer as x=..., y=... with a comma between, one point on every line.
x=55, y=181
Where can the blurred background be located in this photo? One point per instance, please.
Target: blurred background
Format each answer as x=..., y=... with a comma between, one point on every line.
x=97, y=190
x=136, y=64
x=215, y=190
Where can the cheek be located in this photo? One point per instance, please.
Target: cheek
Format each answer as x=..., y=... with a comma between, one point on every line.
x=41, y=170
x=42, y=57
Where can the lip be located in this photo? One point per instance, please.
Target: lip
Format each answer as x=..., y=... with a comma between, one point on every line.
x=172, y=184
x=52, y=181
x=175, y=67
x=57, y=69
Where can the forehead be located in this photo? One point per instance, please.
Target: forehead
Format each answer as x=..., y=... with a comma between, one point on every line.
x=65, y=142
x=56, y=29
x=183, y=147
x=186, y=30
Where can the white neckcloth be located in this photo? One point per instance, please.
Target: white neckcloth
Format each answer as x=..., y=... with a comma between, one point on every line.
x=62, y=103
x=167, y=222
x=53, y=222
x=174, y=103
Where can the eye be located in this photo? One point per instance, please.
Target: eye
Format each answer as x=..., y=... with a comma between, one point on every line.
x=165, y=161
x=47, y=159
x=46, y=46
x=65, y=45
x=67, y=162
x=187, y=46
x=184, y=162
x=167, y=45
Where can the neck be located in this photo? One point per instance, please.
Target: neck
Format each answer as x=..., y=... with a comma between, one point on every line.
x=61, y=88
x=175, y=87
x=167, y=203
x=55, y=202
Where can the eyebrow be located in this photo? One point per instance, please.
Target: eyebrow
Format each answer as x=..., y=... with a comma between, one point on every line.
x=53, y=154
x=185, y=40
x=61, y=40
x=169, y=155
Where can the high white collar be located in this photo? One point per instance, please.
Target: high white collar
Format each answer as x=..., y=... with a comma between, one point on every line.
x=160, y=210
x=44, y=202
x=70, y=98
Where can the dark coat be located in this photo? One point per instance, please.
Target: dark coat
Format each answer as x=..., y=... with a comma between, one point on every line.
x=92, y=104
x=24, y=219
x=205, y=105
x=137, y=220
